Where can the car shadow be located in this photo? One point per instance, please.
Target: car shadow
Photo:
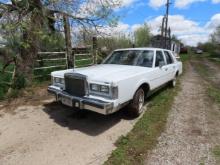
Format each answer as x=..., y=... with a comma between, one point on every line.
x=88, y=122
x=85, y=121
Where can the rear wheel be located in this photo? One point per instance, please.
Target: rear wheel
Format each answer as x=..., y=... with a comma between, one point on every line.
x=136, y=106
x=173, y=82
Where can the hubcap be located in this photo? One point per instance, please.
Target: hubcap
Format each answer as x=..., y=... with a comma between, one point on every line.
x=141, y=102
x=174, y=82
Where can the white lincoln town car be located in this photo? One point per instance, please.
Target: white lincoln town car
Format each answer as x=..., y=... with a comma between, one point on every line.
x=125, y=77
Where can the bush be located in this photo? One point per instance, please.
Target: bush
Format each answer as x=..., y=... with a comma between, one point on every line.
x=2, y=93
x=215, y=53
x=20, y=82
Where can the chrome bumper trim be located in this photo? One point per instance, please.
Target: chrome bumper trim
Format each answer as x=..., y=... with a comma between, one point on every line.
x=95, y=105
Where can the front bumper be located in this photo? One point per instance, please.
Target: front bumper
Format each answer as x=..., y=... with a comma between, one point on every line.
x=91, y=104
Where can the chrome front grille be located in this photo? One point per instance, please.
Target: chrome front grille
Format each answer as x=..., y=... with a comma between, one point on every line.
x=75, y=84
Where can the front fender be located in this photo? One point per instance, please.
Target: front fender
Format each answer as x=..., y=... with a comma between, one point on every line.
x=140, y=83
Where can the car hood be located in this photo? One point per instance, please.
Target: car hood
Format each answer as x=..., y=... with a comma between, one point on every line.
x=105, y=72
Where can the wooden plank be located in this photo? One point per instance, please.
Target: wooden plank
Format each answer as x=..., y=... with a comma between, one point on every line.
x=79, y=66
x=87, y=59
x=54, y=59
x=6, y=83
x=42, y=75
x=43, y=53
x=83, y=54
x=9, y=72
x=48, y=67
x=52, y=54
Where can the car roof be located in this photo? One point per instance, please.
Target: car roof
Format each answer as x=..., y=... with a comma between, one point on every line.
x=146, y=48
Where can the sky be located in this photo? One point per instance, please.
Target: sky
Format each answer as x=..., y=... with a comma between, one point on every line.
x=192, y=21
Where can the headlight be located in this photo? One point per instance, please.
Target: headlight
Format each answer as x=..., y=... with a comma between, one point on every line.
x=58, y=80
x=94, y=87
x=104, y=89
x=99, y=88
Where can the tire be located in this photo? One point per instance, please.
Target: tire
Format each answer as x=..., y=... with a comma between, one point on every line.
x=173, y=82
x=136, y=107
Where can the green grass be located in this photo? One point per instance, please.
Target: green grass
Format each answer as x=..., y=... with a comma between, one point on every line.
x=185, y=57
x=216, y=152
x=202, y=70
x=216, y=60
x=83, y=63
x=212, y=90
x=133, y=148
x=214, y=93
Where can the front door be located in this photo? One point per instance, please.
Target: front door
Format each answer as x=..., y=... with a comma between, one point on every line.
x=161, y=70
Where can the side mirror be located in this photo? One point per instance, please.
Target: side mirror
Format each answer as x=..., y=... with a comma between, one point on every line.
x=161, y=64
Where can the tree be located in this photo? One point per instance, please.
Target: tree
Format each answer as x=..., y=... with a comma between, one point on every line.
x=36, y=19
x=142, y=36
x=108, y=44
x=215, y=40
x=213, y=45
x=215, y=37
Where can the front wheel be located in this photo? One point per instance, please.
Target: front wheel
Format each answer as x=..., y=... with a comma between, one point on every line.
x=136, y=106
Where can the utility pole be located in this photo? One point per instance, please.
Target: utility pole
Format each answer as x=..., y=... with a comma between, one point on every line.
x=166, y=23
x=162, y=42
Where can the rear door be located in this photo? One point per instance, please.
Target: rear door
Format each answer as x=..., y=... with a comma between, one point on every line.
x=170, y=65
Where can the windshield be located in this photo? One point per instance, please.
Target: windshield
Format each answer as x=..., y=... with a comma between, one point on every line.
x=131, y=57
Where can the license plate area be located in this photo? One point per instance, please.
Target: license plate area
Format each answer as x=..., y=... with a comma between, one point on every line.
x=67, y=101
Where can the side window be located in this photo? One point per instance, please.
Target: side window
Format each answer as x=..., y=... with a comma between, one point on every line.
x=146, y=59
x=168, y=57
x=159, y=58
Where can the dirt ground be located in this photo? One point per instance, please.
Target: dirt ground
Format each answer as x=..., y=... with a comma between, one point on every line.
x=48, y=133
x=193, y=129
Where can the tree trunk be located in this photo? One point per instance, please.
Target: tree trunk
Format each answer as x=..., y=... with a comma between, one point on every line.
x=70, y=57
x=29, y=50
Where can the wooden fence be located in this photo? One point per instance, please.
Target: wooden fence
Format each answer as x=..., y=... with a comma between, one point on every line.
x=51, y=61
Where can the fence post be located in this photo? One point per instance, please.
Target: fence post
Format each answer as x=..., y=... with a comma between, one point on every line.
x=70, y=59
x=94, y=49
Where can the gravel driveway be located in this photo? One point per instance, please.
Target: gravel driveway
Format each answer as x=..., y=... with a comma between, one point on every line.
x=51, y=134
x=192, y=130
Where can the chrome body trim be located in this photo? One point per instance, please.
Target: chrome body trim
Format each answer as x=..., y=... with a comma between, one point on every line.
x=91, y=104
